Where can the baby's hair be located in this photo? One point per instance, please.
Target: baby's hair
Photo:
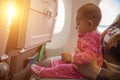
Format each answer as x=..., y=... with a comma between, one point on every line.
x=90, y=11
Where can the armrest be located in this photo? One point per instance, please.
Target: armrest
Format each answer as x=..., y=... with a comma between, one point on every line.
x=3, y=57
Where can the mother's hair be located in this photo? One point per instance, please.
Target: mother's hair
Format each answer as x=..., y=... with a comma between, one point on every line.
x=112, y=48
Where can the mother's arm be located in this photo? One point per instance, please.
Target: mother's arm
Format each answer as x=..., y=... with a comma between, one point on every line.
x=106, y=74
x=91, y=70
x=98, y=73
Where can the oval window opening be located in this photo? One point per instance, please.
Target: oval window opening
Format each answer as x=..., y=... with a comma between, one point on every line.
x=60, y=18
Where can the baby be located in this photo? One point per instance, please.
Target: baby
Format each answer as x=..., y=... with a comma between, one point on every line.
x=88, y=47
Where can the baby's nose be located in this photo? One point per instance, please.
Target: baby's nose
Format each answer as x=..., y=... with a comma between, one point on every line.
x=76, y=26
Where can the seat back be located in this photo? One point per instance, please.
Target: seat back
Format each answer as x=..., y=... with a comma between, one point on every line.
x=30, y=28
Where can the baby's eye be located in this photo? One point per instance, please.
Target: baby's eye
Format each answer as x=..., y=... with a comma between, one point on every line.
x=77, y=26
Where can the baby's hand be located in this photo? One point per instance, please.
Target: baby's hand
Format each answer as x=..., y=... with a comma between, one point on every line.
x=77, y=51
x=66, y=57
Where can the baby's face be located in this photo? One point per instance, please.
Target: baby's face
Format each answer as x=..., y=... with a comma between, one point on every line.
x=82, y=25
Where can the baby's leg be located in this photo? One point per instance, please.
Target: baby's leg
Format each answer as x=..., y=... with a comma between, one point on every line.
x=60, y=71
x=52, y=61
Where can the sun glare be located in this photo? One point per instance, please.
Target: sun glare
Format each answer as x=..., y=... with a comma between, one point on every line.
x=11, y=12
x=60, y=17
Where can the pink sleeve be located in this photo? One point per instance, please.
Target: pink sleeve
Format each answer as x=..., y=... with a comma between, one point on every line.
x=90, y=49
x=85, y=57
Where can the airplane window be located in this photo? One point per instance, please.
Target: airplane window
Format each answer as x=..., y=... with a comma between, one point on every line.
x=60, y=18
x=110, y=9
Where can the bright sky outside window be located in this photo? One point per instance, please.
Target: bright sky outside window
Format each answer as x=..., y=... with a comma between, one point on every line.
x=110, y=9
x=60, y=18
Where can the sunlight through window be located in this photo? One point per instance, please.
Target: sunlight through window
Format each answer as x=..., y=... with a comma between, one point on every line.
x=10, y=14
x=60, y=18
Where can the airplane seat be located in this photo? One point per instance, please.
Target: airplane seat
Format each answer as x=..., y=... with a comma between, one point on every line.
x=4, y=32
x=30, y=29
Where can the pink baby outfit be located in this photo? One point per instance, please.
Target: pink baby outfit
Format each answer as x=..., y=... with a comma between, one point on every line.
x=90, y=49
x=90, y=46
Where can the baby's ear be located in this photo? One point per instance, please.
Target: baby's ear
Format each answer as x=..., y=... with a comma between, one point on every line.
x=90, y=23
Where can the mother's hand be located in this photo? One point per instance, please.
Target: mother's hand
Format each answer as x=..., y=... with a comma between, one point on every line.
x=91, y=70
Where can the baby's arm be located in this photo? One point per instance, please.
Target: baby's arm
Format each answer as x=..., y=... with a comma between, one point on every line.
x=77, y=51
x=84, y=57
x=90, y=50
x=80, y=58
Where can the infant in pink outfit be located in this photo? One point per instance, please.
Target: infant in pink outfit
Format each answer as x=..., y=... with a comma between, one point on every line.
x=88, y=47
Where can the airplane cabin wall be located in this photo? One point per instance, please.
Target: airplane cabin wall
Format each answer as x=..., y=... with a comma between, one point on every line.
x=55, y=47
